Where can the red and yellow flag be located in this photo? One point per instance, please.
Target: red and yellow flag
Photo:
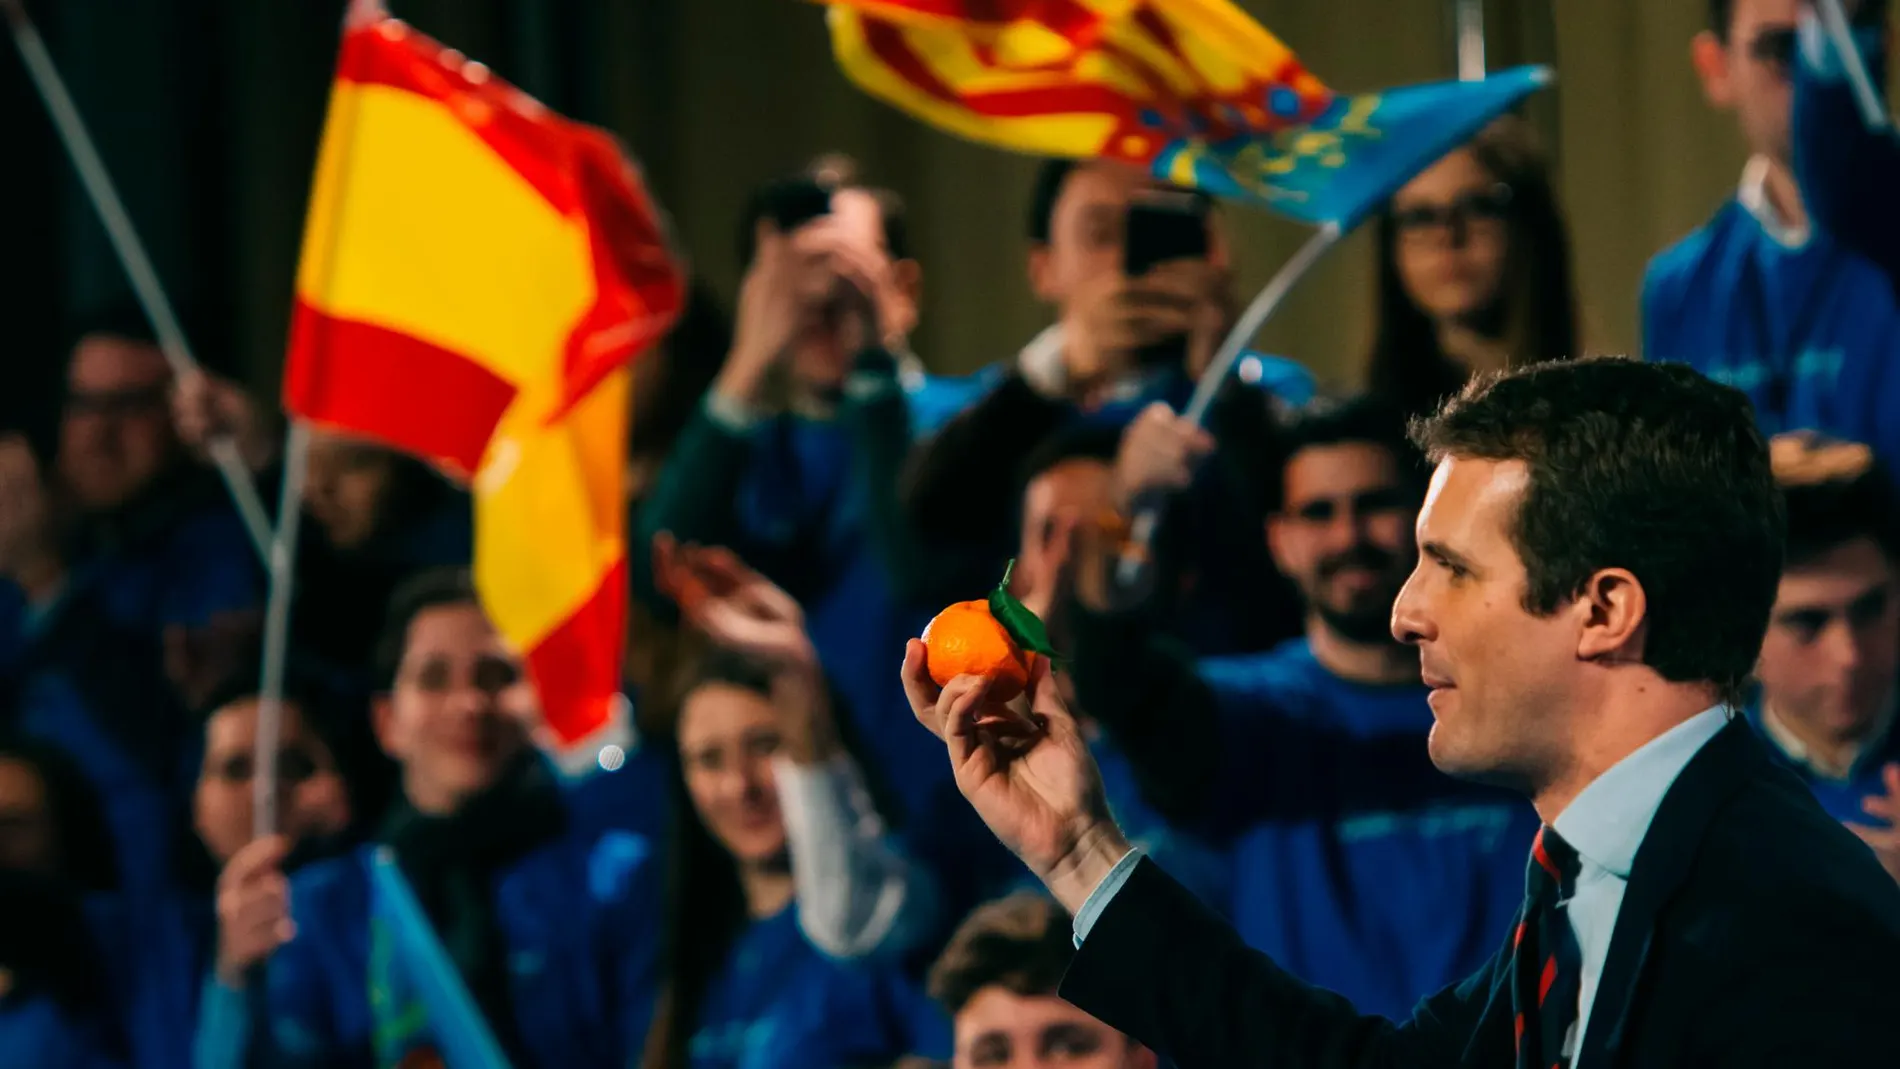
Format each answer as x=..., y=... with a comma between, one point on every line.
x=477, y=274
x=1194, y=91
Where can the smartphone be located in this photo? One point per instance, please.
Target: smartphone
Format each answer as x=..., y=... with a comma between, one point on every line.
x=793, y=202
x=1163, y=225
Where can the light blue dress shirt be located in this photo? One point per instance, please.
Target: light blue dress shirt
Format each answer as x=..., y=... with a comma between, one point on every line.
x=1605, y=824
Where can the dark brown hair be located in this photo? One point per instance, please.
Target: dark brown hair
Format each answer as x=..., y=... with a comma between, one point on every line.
x=706, y=905
x=423, y=591
x=1536, y=306
x=1649, y=467
x=1021, y=944
x=1836, y=492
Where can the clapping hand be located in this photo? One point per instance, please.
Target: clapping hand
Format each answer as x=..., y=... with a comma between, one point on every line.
x=743, y=611
x=1886, y=806
x=735, y=606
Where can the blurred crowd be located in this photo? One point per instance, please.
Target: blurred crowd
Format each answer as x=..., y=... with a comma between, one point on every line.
x=770, y=867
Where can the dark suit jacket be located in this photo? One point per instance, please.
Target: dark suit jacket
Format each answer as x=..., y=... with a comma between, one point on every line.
x=1755, y=931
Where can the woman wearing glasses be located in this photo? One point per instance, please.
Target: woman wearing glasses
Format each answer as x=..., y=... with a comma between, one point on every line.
x=1474, y=271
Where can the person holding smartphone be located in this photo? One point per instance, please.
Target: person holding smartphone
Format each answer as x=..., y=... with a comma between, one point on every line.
x=1138, y=275
x=792, y=458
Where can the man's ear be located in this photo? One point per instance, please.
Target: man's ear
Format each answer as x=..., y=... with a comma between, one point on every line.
x=382, y=720
x=1041, y=274
x=1615, y=617
x=908, y=277
x=1709, y=56
x=1276, y=542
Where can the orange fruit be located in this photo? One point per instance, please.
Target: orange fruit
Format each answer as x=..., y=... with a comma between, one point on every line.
x=965, y=639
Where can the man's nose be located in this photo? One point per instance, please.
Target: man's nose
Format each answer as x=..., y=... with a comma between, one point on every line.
x=1840, y=646
x=1411, y=619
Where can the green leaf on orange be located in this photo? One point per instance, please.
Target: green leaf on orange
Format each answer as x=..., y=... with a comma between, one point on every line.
x=1023, y=625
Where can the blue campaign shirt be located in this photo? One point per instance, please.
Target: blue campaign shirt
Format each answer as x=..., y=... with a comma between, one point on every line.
x=1807, y=330
x=1840, y=796
x=1806, y=324
x=1203, y=867
x=37, y=1033
x=778, y=1003
x=803, y=521
x=805, y=526
x=580, y=918
x=1356, y=864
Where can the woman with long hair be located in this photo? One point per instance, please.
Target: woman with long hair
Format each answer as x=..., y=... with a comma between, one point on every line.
x=1474, y=270
x=781, y=872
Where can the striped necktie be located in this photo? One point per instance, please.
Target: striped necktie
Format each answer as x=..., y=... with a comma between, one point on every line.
x=1546, y=963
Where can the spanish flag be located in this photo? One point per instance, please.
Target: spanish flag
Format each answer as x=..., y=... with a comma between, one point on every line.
x=477, y=273
x=1194, y=91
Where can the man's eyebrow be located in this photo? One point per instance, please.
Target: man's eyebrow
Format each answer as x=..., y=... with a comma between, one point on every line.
x=1444, y=554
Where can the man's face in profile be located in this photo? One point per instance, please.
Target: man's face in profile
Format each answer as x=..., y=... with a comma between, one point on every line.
x=1500, y=675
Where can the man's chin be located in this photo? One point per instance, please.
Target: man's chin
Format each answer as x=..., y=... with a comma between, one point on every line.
x=1459, y=763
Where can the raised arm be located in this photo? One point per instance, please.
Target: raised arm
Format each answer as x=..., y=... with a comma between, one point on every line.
x=1155, y=964
x=1848, y=171
x=856, y=891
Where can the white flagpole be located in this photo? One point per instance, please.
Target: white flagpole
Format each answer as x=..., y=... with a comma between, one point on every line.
x=131, y=253
x=1141, y=531
x=1873, y=110
x=281, y=561
x=1468, y=34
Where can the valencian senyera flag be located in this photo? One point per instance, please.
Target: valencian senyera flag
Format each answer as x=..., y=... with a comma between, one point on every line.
x=477, y=273
x=1195, y=91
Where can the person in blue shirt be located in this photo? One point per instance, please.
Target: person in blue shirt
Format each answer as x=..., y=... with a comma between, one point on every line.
x=1829, y=676
x=1071, y=481
x=549, y=924
x=164, y=941
x=755, y=980
x=131, y=513
x=1308, y=763
x=116, y=537
x=1771, y=295
x=997, y=979
x=1124, y=352
x=58, y=1006
x=791, y=460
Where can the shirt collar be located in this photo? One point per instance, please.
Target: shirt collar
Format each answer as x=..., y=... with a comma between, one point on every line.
x=1752, y=194
x=1042, y=366
x=1607, y=821
x=1801, y=754
x=1041, y=362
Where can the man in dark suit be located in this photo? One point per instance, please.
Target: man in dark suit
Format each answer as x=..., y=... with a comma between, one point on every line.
x=1597, y=560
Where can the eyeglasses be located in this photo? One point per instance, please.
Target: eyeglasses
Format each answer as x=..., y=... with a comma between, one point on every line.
x=1774, y=47
x=1489, y=206
x=117, y=404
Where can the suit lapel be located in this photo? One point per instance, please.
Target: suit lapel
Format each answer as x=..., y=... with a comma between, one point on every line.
x=1668, y=852
x=1494, y=1040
